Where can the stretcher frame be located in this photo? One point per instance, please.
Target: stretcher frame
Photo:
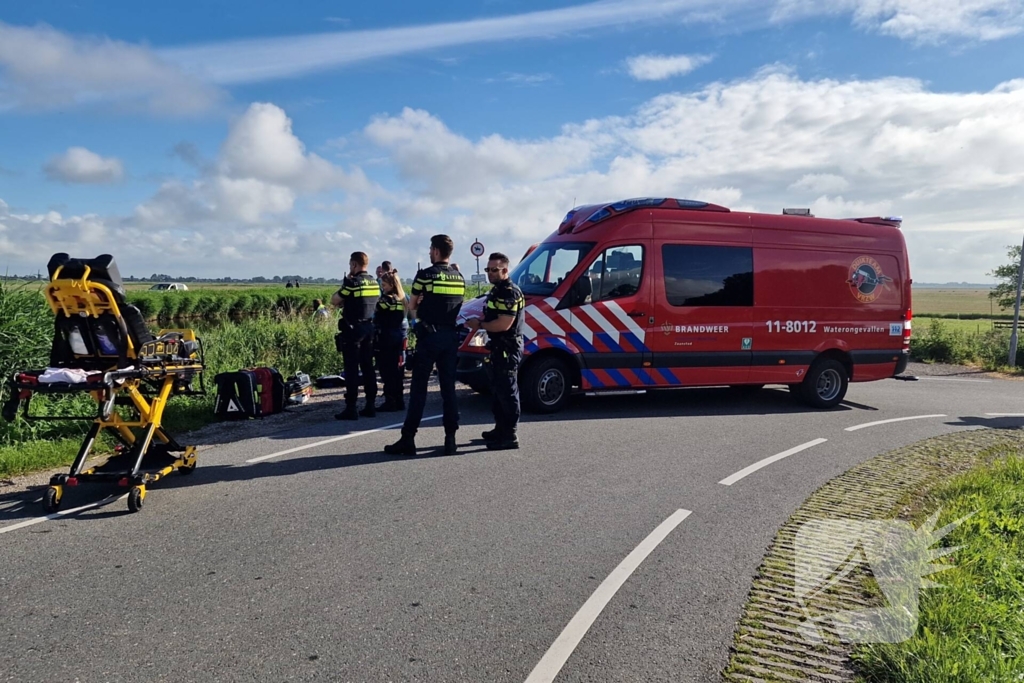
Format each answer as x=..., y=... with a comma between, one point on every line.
x=141, y=379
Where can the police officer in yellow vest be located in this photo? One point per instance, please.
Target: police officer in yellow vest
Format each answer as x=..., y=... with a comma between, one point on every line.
x=503, y=323
x=358, y=298
x=437, y=294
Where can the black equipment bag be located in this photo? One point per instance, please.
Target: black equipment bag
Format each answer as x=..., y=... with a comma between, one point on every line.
x=271, y=389
x=237, y=395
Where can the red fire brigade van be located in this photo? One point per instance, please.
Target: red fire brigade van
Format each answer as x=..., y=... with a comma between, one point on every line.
x=658, y=293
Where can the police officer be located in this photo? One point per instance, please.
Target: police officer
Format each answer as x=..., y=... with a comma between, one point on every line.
x=389, y=321
x=437, y=294
x=358, y=298
x=503, y=323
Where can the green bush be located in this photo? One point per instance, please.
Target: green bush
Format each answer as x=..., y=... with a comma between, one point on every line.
x=942, y=345
x=26, y=332
x=212, y=303
x=168, y=306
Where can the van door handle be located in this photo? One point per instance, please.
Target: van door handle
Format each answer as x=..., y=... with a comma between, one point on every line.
x=636, y=314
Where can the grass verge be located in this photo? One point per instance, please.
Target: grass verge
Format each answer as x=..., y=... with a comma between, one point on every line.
x=971, y=620
x=972, y=628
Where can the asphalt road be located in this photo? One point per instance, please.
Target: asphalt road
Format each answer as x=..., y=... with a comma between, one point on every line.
x=338, y=563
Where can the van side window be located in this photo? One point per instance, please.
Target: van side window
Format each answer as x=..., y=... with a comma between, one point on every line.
x=701, y=275
x=616, y=273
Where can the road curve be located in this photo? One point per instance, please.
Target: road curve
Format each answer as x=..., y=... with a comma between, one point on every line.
x=332, y=561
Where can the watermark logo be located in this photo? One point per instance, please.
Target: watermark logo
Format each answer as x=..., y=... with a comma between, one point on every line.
x=899, y=557
x=866, y=279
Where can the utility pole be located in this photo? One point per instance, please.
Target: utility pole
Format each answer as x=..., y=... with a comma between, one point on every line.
x=1012, y=360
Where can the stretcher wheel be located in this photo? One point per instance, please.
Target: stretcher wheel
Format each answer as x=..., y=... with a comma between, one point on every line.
x=135, y=498
x=51, y=499
x=187, y=469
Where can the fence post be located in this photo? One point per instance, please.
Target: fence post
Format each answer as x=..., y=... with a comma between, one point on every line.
x=1012, y=360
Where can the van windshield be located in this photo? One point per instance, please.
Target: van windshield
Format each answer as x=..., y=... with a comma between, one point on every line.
x=543, y=270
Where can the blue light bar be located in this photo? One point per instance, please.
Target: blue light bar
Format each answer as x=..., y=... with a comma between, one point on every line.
x=599, y=215
x=634, y=203
x=690, y=204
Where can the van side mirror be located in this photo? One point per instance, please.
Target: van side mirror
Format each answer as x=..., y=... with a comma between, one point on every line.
x=578, y=293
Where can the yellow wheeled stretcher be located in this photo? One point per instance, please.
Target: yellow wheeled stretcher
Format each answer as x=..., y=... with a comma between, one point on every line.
x=102, y=346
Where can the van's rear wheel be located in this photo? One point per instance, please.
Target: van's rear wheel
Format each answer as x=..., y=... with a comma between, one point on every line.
x=826, y=383
x=546, y=386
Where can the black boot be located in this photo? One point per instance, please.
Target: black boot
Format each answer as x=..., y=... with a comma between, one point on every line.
x=369, y=410
x=503, y=444
x=450, y=447
x=491, y=435
x=390, y=407
x=404, y=446
x=348, y=414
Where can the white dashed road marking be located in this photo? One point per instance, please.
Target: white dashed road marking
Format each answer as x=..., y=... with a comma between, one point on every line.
x=61, y=513
x=111, y=499
x=732, y=479
x=895, y=419
x=557, y=655
x=333, y=440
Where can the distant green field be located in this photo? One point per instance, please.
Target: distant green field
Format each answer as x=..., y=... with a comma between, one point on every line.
x=953, y=301
x=926, y=302
x=922, y=323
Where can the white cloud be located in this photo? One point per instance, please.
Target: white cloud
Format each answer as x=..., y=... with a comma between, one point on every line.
x=844, y=148
x=251, y=60
x=661, y=67
x=951, y=163
x=261, y=171
x=42, y=68
x=820, y=182
x=79, y=165
x=521, y=79
x=918, y=20
x=452, y=167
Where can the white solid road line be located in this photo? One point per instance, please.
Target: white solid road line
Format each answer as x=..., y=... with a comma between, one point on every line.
x=111, y=499
x=955, y=379
x=1004, y=414
x=733, y=478
x=61, y=513
x=557, y=655
x=895, y=419
x=332, y=440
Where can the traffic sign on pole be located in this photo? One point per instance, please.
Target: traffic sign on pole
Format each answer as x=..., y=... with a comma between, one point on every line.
x=477, y=249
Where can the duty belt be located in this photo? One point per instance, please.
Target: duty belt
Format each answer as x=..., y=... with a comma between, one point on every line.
x=425, y=327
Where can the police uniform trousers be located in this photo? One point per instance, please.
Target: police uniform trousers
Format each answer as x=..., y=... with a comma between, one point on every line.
x=438, y=347
x=357, y=354
x=503, y=367
x=390, y=346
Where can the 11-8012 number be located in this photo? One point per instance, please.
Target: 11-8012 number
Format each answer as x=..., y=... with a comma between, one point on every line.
x=792, y=326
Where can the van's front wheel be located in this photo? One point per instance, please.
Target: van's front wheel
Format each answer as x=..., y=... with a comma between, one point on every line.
x=826, y=383
x=546, y=386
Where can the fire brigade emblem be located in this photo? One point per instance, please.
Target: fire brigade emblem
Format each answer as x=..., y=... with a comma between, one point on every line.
x=866, y=279
x=666, y=327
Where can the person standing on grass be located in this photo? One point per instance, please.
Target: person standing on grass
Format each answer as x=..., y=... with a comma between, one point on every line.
x=437, y=294
x=503, y=323
x=320, y=312
x=389, y=321
x=358, y=298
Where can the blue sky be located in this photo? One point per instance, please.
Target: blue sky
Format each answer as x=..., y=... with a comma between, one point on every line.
x=231, y=138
